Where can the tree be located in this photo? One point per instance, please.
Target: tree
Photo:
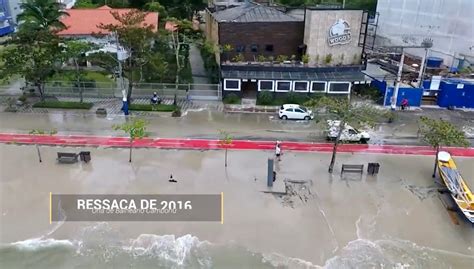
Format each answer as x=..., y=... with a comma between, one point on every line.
x=42, y=15
x=33, y=55
x=75, y=51
x=441, y=133
x=136, y=37
x=36, y=132
x=135, y=129
x=35, y=47
x=225, y=140
x=342, y=110
x=180, y=38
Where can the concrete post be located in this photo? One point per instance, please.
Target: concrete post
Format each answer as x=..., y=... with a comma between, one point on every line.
x=270, y=173
x=422, y=69
x=397, y=85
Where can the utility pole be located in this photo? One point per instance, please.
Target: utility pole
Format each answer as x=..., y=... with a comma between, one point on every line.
x=422, y=68
x=397, y=84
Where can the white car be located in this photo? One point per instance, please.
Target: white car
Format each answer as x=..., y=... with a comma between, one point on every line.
x=349, y=134
x=295, y=112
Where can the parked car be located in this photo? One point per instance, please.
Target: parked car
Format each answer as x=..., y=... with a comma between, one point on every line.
x=349, y=134
x=295, y=112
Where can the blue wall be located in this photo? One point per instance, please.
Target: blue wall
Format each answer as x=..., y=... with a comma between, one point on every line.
x=450, y=95
x=413, y=95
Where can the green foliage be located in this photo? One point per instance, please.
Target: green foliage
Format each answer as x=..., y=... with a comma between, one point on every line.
x=282, y=58
x=341, y=109
x=227, y=48
x=238, y=58
x=85, y=4
x=35, y=52
x=368, y=92
x=208, y=54
x=231, y=99
x=333, y=108
x=152, y=107
x=296, y=98
x=265, y=98
x=305, y=59
x=135, y=36
x=156, y=7
x=225, y=139
x=261, y=58
x=328, y=58
x=63, y=105
x=439, y=133
x=43, y=132
x=135, y=129
x=41, y=15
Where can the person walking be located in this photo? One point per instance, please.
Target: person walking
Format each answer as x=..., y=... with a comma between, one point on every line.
x=278, y=150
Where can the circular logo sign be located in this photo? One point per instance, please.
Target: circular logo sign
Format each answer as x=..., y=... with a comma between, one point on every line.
x=339, y=33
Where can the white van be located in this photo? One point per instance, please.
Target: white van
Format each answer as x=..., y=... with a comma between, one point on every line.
x=349, y=134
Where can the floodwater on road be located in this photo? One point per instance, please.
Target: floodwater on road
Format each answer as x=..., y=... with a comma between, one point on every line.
x=392, y=220
x=206, y=125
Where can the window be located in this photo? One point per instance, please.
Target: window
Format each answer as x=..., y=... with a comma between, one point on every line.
x=254, y=48
x=289, y=110
x=300, y=86
x=269, y=47
x=265, y=85
x=283, y=86
x=232, y=84
x=240, y=48
x=299, y=110
x=352, y=132
x=339, y=87
x=318, y=86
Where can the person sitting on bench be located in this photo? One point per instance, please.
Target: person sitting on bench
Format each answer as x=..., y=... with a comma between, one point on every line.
x=404, y=104
x=155, y=99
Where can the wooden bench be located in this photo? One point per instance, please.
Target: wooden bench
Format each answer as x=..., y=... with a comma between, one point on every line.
x=352, y=168
x=66, y=157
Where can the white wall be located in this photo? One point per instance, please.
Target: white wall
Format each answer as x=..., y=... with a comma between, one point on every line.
x=317, y=26
x=450, y=23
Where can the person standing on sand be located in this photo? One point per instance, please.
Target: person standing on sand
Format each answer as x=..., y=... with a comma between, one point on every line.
x=278, y=150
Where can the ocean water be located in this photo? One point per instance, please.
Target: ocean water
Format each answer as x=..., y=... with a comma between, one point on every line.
x=98, y=247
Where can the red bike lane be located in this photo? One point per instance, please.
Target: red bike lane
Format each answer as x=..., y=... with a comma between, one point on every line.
x=204, y=144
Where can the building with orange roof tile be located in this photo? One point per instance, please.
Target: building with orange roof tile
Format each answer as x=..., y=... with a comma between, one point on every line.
x=85, y=22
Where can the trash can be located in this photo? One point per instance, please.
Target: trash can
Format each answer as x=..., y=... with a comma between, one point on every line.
x=85, y=156
x=373, y=168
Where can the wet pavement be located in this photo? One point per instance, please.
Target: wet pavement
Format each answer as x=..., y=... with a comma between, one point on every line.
x=204, y=124
x=392, y=220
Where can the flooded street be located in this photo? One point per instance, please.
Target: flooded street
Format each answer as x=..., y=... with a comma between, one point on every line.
x=205, y=124
x=393, y=220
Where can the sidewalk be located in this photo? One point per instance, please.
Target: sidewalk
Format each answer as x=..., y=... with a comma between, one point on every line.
x=114, y=105
x=203, y=144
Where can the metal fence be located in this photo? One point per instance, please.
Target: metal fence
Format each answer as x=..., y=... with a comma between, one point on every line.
x=140, y=90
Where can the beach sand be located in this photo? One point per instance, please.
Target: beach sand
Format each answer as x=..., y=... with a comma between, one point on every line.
x=393, y=219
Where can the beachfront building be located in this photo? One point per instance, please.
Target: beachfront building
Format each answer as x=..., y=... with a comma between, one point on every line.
x=6, y=26
x=267, y=49
x=84, y=24
x=448, y=23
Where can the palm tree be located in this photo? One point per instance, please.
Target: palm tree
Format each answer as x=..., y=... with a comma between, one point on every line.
x=42, y=15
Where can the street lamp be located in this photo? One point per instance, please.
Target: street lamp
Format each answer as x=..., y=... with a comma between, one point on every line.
x=426, y=44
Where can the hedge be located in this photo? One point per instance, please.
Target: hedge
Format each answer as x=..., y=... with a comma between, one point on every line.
x=66, y=105
x=149, y=107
